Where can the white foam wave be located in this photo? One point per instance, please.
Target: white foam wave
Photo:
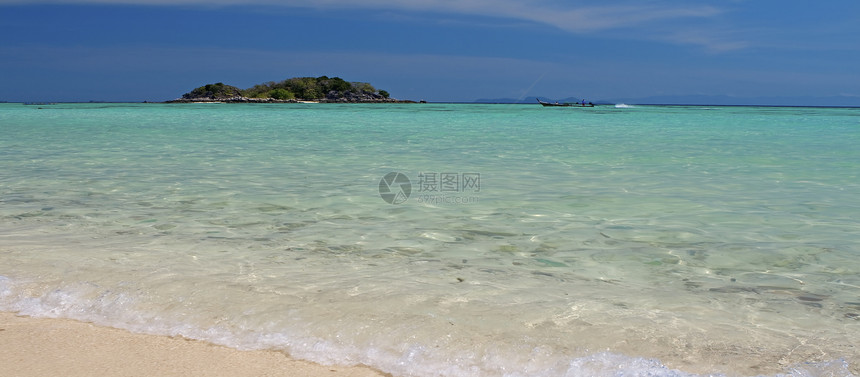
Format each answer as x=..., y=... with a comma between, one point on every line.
x=90, y=303
x=623, y=106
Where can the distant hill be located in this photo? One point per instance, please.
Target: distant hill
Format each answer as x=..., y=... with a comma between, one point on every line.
x=531, y=100
x=716, y=100
x=317, y=89
x=723, y=100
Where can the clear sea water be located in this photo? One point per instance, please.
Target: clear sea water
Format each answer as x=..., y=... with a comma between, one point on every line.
x=613, y=241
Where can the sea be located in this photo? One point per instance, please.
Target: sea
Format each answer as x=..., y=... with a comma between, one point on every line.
x=447, y=239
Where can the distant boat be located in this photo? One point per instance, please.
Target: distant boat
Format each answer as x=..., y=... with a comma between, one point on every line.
x=566, y=104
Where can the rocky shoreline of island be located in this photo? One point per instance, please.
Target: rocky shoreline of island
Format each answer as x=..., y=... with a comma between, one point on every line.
x=295, y=90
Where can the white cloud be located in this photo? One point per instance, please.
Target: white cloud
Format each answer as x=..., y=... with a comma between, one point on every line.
x=711, y=41
x=670, y=21
x=565, y=16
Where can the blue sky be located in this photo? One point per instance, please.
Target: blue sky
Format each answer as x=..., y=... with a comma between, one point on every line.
x=437, y=50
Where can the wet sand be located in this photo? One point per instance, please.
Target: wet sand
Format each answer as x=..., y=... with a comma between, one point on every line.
x=60, y=347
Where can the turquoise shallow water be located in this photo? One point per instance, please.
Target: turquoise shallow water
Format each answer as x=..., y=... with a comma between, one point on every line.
x=607, y=241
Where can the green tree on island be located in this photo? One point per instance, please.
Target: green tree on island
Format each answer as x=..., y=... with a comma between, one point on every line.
x=281, y=93
x=334, y=89
x=218, y=90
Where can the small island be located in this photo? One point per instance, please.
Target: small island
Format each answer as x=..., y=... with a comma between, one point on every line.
x=297, y=89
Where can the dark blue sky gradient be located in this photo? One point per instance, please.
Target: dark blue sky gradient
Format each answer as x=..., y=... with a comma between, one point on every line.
x=744, y=49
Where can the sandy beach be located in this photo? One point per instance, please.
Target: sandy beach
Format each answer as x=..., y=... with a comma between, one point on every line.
x=55, y=347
